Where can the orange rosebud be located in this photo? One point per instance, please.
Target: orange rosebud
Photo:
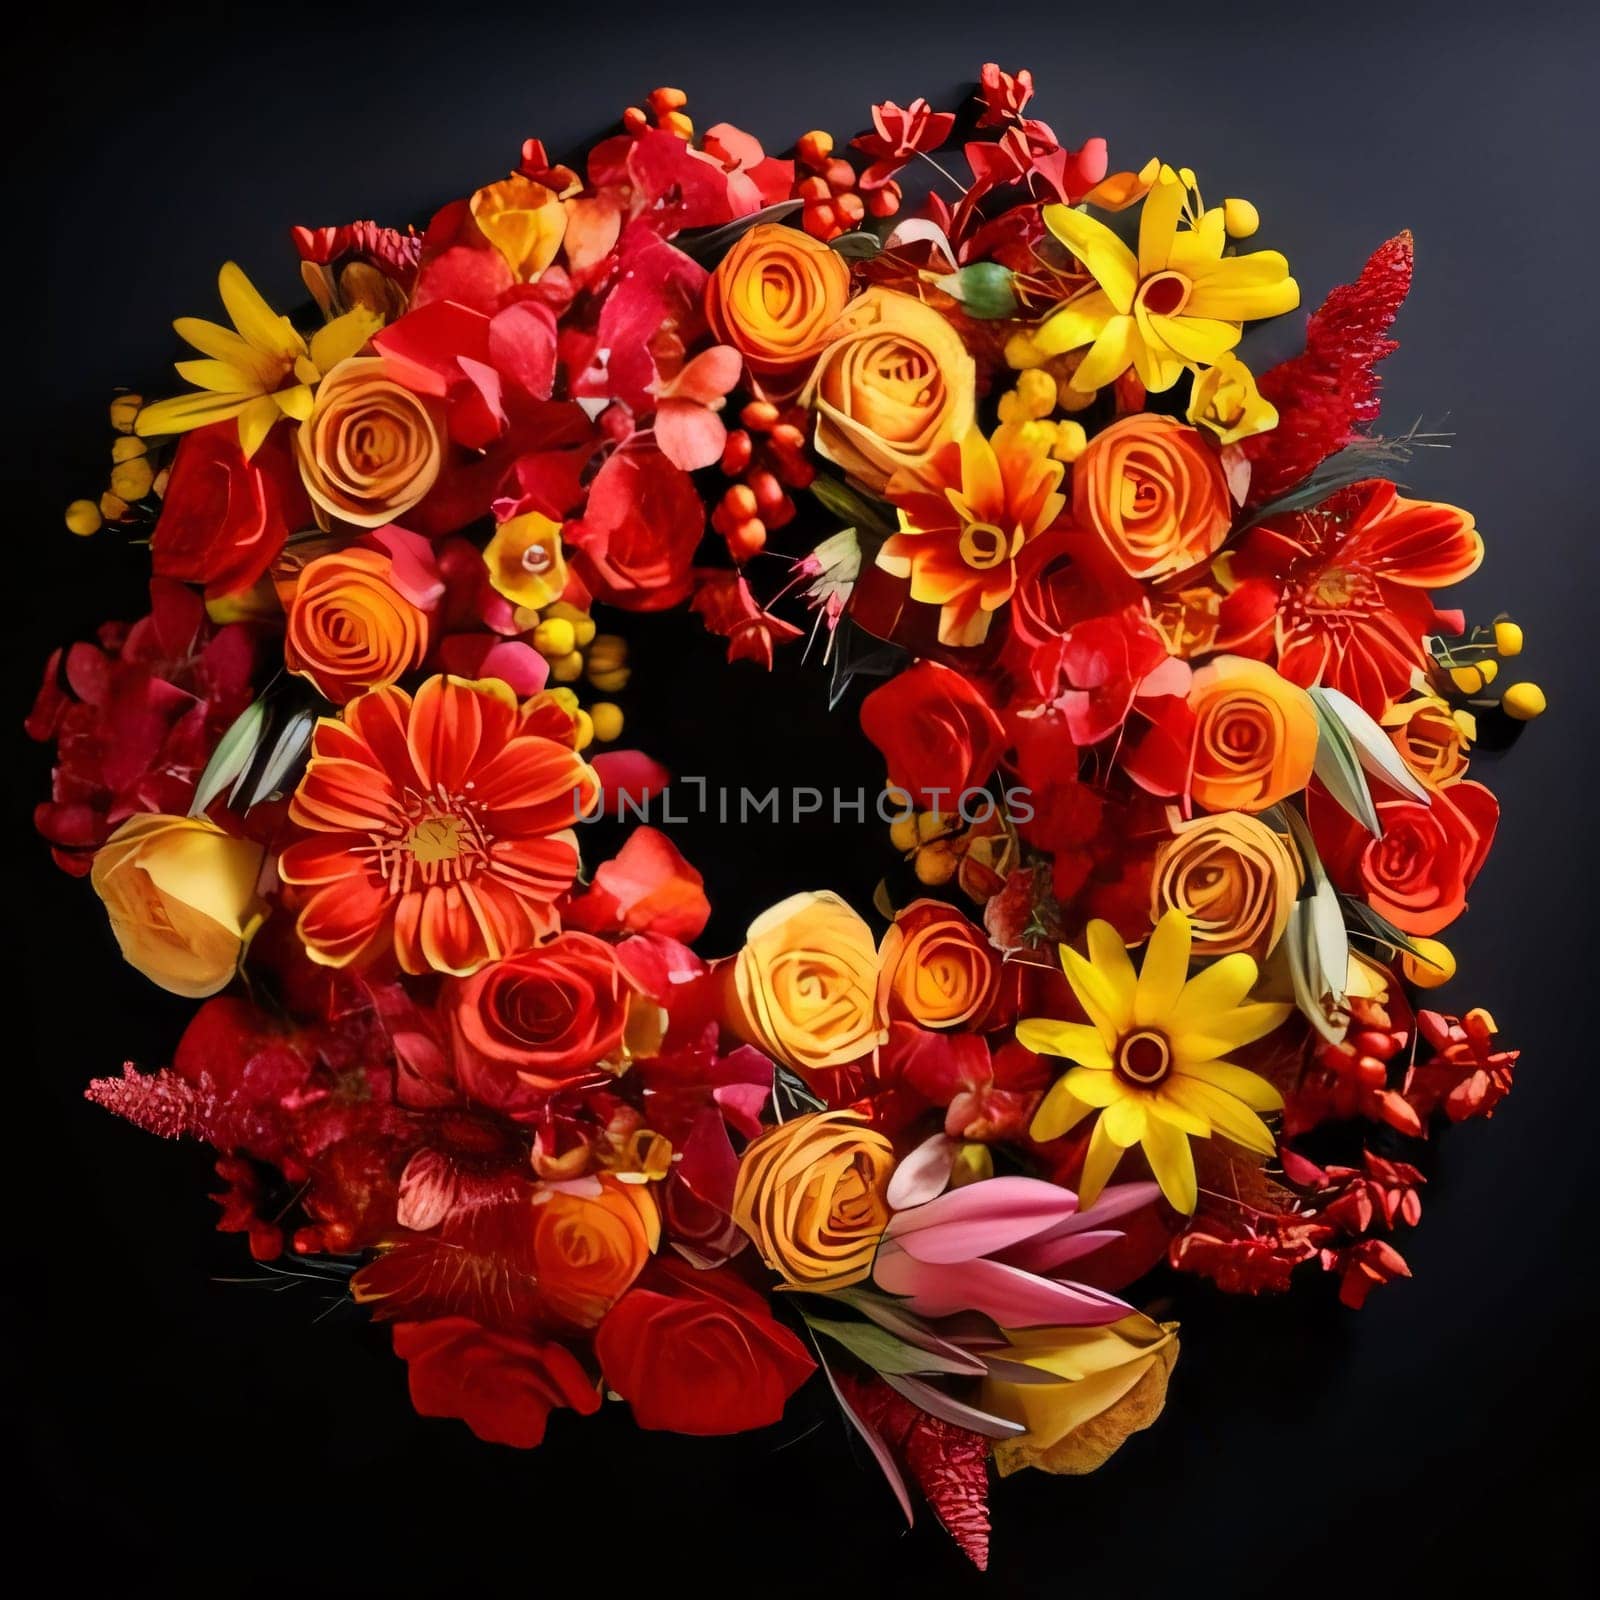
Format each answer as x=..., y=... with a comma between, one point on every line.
x=1155, y=493
x=937, y=969
x=370, y=449
x=775, y=297
x=349, y=628
x=892, y=388
x=811, y=1194
x=1432, y=737
x=1232, y=877
x=589, y=1247
x=1255, y=736
x=804, y=988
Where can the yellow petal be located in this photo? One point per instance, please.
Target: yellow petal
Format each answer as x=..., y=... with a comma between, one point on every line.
x=1195, y=249
x=343, y=337
x=187, y=411
x=1242, y=288
x=1110, y=957
x=1219, y=988
x=1078, y=321
x=294, y=402
x=1229, y=1116
x=1240, y=1082
x=221, y=377
x=223, y=344
x=1124, y=1120
x=255, y=422
x=1059, y=1111
x=1096, y=1088
x=1196, y=339
x=1108, y=259
x=1074, y=1040
x=1110, y=357
x=1167, y=1150
x=1158, y=222
x=1158, y=367
x=1165, y=969
x=1098, y=1165
x=1095, y=995
x=258, y=324
x=1160, y=1104
x=1227, y=1030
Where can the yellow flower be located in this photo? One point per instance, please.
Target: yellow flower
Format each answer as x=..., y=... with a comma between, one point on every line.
x=524, y=221
x=526, y=565
x=258, y=370
x=1150, y=1058
x=1226, y=402
x=1178, y=303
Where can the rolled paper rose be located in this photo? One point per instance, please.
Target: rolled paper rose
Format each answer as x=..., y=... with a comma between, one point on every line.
x=1232, y=877
x=937, y=969
x=538, y=1021
x=1431, y=737
x=894, y=385
x=349, y=629
x=370, y=450
x=775, y=297
x=804, y=987
x=811, y=1195
x=588, y=1248
x=1255, y=736
x=1155, y=493
x=181, y=896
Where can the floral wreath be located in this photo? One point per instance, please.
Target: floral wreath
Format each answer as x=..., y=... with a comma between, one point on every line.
x=1177, y=748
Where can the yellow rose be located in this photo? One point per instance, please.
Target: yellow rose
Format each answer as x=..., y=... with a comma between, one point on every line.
x=810, y=1193
x=1232, y=877
x=804, y=988
x=1226, y=402
x=181, y=896
x=892, y=387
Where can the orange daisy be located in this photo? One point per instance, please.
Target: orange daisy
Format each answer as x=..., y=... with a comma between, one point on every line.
x=963, y=522
x=441, y=822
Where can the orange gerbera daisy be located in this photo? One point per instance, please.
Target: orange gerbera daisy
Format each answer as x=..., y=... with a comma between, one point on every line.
x=964, y=521
x=441, y=822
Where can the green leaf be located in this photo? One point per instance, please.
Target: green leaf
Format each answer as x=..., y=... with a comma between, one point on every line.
x=714, y=242
x=1381, y=928
x=1317, y=941
x=985, y=289
x=231, y=759
x=1339, y=767
x=1373, y=747
x=287, y=752
x=880, y=1349
x=857, y=246
x=852, y=507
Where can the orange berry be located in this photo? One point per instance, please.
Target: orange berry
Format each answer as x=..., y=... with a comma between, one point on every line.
x=813, y=189
x=779, y=515
x=884, y=202
x=788, y=437
x=760, y=416
x=840, y=174
x=748, y=539
x=634, y=120
x=665, y=100
x=820, y=220
x=850, y=208
x=814, y=148
x=676, y=122
x=740, y=501
x=736, y=453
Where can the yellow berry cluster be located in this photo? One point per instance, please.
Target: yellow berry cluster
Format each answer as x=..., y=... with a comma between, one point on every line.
x=566, y=637
x=1472, y=667
x=1029, y=405
x=133, y=475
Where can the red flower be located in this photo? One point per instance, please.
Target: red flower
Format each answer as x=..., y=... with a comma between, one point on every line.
x=1003, y=94
x=1341, y=591
x=224, y=518
x=901, y=132
x=438, y=825
x=136, y=719
x=1109, y=663
x=1258, y=1260
x=936, y=731
x=634, y=545
x=1467, y=1076
x=502, y=1386
x=1362, y=1267
x=647, y=887
x=538, y=1021
x=697, y=1352
x=1417, y=875
x=724, y=602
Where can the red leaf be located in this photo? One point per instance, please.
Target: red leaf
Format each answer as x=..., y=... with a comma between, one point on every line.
x=1327, y=394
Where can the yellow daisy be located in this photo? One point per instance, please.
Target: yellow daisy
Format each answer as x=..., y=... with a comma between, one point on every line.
x=258, y=370
x=1180, y=302
x=1150, y=1059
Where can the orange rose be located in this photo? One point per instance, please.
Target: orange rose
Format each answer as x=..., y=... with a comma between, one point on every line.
x=938, y=970
x=1433, y=739
x=349, y=628
x=810, y=1193
x=1255, y=736
x=1232, y=877
x=891, y=389
x=1155, y=493
x=369, y=451
x=588, y=1248
x=775, y=297
x=804, y=988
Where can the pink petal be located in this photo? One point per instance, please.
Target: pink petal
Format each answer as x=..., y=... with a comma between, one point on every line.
x=1013, y=1298
x=923, y=1175
x=688, y=434
x=981, y=1218
x=1045, y=1255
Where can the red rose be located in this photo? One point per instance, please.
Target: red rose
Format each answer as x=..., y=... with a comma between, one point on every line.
x=937, y=733
x=697, y=1352
x=502, y=1386
x=538, y=1020
x=634, y=545
x=224, y=518
x=1417, y=875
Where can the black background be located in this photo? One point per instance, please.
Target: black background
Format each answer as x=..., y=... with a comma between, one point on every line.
x=179, y=1429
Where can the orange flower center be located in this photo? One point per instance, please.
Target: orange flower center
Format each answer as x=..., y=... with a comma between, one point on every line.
x=438, y=840
x=983, y=546
x=1164, y=295
x=1145, y=1057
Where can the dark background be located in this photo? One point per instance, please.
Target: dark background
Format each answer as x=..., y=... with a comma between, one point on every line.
x=182, y=1429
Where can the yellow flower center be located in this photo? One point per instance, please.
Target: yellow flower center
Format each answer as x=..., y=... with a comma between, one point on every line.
x=435, y=839
x=1145, y=1057
x=1165, y=294
x=983, y=546
x=1334, y=588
